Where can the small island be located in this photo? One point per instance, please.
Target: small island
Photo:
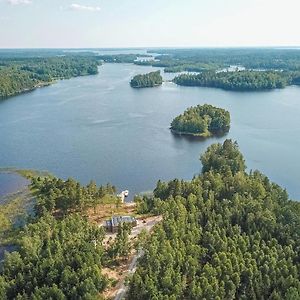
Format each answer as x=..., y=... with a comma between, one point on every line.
x=202, y=120
x=146, y=80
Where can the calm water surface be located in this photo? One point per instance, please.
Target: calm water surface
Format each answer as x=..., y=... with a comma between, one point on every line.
x=10, y=183
x=99, y=128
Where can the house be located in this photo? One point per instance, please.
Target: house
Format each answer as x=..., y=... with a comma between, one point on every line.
x=113, y=223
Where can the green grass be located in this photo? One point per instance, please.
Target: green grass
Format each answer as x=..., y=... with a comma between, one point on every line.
x=109, y=199
x=27, y=173
x=9, y=213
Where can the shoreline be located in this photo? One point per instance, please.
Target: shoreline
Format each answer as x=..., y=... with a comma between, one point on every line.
x=25, y=173
x=40, y=85
x=28, y=90
x=202, y=135
x=141, y=87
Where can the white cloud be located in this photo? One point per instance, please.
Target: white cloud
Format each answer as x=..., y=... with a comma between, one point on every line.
x=80, y=7
x=18, y=2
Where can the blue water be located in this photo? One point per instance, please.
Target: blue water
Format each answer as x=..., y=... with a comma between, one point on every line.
x=97, y=127
x=10, y=183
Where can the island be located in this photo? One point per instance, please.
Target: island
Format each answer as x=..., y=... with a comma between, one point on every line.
x=146, y=80
x=237, y=81
x=202, y=120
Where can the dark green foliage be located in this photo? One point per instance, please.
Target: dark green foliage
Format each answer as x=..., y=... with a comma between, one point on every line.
x=57, y=195
x=121, y=246
x=202, y=120
x=58, y=259
x=223, y=158
x=239, y=81
x=225, y=235
x=3, y=288
x=20, y=75
x=146, y=80
x=59, y=253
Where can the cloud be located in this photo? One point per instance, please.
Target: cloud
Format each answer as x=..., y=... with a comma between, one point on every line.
x=79, y=7
x=19, y=2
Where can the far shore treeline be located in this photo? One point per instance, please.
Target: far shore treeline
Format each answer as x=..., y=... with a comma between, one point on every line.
x=238, y=80
x=24, y=70
x=18, y=75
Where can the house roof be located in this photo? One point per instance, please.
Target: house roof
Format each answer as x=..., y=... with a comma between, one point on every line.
x=116, y=220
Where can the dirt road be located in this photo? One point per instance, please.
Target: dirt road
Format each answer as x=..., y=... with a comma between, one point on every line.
x=148, y=225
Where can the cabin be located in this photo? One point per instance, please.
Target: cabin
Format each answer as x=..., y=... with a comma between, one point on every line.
x=113, y=223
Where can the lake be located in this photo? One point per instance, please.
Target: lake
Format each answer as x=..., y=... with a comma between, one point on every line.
x=98, y=127
x=10, y=183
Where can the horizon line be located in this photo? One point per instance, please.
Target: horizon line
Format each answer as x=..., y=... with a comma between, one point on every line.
x=152, y=47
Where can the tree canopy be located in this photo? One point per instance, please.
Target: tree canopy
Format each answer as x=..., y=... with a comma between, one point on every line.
x=146, y=80
x=239, y=80
x=58, y=253
x=56, y=260
x=197, y=60
x=202, y=120
x=227, y=234
x=19, y=75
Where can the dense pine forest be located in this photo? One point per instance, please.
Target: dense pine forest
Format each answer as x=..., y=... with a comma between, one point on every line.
x=202, y=120
x=146, y=80
x=18, y=75
x=59, y=252
x=227, y=234
x=239, y=81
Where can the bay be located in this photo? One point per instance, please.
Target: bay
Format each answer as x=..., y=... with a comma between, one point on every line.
x=98, y=127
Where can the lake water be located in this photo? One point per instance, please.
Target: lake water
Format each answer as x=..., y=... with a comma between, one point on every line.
x=97, y=127
x=10, y=183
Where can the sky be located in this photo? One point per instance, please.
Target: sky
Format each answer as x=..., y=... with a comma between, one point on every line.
x=148, y=23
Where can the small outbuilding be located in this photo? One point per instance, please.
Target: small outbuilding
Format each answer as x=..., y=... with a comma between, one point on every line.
x=123, y=195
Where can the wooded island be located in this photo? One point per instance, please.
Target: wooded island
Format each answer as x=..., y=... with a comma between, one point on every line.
x=202, y=120
x=146, y=80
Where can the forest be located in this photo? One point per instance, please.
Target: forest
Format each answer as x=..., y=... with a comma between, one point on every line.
x=250, y=58
x=19, y=75
x=202, y=120
x=121, y=58
x=146, y=80
x=227, y=234
x=59, y=253
x=237, y=81
x=24, y=70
